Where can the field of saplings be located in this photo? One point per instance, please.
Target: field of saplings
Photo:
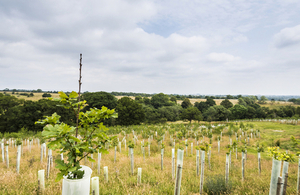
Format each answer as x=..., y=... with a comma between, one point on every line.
x=173, y=158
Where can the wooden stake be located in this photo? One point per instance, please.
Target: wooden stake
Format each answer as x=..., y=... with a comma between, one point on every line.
x=173, y=163
x=48, y=166
x=202, y=171
x=162, y=159
x=285, y=184
x=298, y=178
x=243, y=169
x=279, y=183
x=177, y=188
x=197, y=161
x=259, y=165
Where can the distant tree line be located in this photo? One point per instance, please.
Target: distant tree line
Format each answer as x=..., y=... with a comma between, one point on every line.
x=160, y=108
x=178, y=96
x=26, y=90
x=295, y=101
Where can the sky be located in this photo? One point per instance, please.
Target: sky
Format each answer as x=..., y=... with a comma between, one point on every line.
x=249, y=47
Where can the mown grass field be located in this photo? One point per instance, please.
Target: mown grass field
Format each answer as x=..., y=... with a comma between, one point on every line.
x=155, y=180
x=36, y=97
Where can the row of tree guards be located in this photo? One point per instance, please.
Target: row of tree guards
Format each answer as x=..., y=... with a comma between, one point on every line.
x=278, y=183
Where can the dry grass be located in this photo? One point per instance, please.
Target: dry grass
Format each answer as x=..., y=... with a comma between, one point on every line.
x=218, y=101
x=154, y=181
x=36, y=97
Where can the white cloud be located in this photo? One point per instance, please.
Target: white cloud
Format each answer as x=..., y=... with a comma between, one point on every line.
x=287, y=37
x=222, y=57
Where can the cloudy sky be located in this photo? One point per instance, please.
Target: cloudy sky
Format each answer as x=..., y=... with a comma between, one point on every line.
x=170, y=46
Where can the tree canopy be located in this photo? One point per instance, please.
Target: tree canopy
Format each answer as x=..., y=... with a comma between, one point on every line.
x=226, y=103
x=191, y=113
x=99, y=99
x=129, y=112
x=186, y=103
x=160, y=100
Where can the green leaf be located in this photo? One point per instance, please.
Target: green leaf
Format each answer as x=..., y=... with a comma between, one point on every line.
x=90, y=159
x=73, y=94
x=60, y=164
x=59, y=177
x=74, y=138
x=72, y=169
x=62, y=95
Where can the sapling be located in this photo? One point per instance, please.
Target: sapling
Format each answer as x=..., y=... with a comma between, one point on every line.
x=209, y=156
x=218, y=143
x=202, y=151
x=229, y=154
x=2, y=148
x=105, y=173
x=95, y=185
x=44, y=149
x=99, y=161
x=114, y=144
x=139, y=176
x=7, y=157
x=48, y=165
x=227, y=168
x=51, y=157
x=30, y=143
x=186, y=146
x=162, y=155
x=298, y=177
x=149, y=148
x=92, y=157
x=286, y=158
x=173, y=163
x=197, y=160
x=144, y=149
x=41, y=180
x=76, y=142
x=259, y=150
x=19, y=143
x=276, y=167
x=131, y=147
x=243, y=164
x=180, y=154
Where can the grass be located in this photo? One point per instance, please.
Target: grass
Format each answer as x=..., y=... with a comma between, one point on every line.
x=155, y=181
x=36, y=97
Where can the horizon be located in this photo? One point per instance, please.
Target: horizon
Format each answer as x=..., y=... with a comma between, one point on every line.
x=216, y=95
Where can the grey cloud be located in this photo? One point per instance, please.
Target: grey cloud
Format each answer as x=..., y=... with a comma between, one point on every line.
x=40, y=44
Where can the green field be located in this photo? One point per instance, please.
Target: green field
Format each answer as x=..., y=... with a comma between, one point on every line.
x=155, y=180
